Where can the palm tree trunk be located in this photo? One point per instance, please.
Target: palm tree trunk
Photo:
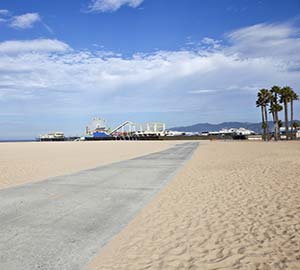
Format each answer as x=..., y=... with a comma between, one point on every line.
x=267, y=126
x=286, y=119
x=274, y=122
x=277, y=131
x=292, y=118
x=263, y=122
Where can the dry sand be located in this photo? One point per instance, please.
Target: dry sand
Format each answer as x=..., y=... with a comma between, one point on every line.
x=234, y=205
x=26, y=162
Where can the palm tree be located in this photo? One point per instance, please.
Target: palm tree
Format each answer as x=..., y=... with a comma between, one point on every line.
x=293, y=96
x=275, y=107
x=263, y=99
x=259, y=103
x=285, y=96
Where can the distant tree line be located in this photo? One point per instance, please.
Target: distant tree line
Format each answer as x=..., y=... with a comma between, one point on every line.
x=273, y=101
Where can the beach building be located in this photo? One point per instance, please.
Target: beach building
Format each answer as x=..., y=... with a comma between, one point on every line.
x=53, y=136
x=233, y=131
x=294, y=132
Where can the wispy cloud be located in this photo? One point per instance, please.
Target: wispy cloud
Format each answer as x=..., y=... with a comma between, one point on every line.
x=35, y=46
x=47, y=75
x=202, y=91
x=111, y=5
x=241, y=87
x=211, y=42
x=267, y=40
x=4, y=12
x=25, y=21
x=3, y=15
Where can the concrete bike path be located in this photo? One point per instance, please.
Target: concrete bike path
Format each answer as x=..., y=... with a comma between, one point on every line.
x=62, y=222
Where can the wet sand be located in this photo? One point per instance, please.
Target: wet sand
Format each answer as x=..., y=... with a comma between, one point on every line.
x=33, y=161
x=235, y=205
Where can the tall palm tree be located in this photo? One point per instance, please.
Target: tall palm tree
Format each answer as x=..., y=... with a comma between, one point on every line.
x=259, y=103
x=263, y=99
x=293, y=96
x=285, y=94
x=275, y=107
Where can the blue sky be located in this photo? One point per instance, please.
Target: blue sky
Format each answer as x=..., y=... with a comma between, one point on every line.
x=183, y=62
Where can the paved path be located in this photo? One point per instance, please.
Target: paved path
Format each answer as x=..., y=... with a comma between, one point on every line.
x=62, y=222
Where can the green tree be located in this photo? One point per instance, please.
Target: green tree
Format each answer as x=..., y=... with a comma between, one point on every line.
x=263, y=99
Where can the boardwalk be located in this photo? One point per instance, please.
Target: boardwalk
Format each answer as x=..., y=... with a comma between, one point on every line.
x=61, y=223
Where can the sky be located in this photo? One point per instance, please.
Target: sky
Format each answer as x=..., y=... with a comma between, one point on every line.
x=177, y=61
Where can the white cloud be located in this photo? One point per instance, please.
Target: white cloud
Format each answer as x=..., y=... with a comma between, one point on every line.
x=4, y=12
x=211, y=42
x=280, y=41
x=25, y=21
x=37, y=45
x=68, y=82
x=3, y=15
x=262, y=32
x=112, y=5
x=202, y=91
x=152, y=76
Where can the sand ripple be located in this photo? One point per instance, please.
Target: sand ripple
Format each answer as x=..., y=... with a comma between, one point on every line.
x=234, y=206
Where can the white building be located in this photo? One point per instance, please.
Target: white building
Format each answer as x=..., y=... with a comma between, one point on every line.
x=283, y=135
x=230, y=131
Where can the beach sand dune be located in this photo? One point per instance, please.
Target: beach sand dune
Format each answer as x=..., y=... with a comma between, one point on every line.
x=32, y=161
x=235, y=205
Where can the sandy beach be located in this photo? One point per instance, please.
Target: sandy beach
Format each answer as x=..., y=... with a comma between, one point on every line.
x=235, y=205
x=32, y=161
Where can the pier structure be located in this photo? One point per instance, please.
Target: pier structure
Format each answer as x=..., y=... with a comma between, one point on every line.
x=139, y=131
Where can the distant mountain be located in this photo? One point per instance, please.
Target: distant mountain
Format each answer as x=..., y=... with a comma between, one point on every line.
x=202, y=127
